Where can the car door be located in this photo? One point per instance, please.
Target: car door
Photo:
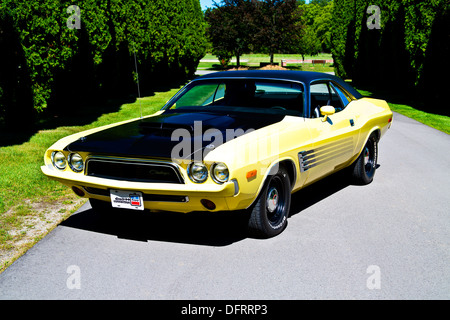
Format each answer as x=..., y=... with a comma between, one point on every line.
x=333, y=140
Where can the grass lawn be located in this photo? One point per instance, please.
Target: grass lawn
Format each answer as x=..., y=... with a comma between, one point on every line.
x=437, y=121
x=257, y=58
x=253, y=61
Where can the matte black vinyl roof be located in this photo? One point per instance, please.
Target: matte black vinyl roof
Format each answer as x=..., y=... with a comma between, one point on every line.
x=303, y=76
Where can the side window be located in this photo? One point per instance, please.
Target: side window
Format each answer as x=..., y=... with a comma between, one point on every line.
x=335, y=100
x=320, y=96
x=342, y=95
x=326, y=93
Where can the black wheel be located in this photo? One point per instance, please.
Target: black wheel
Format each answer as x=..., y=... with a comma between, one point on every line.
x=268, y=215
x=366, y=164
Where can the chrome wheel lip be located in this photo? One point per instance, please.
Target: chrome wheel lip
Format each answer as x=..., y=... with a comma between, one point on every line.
x=275, y=201
x=272, y=199
x=366, y=156
x=369, y=159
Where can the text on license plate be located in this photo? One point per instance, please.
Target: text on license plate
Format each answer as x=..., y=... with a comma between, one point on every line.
x=127, y=199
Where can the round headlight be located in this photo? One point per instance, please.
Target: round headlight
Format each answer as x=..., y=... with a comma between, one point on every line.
x=220, y=172
x=59, y=160
x=197, y=172
x=76, y=162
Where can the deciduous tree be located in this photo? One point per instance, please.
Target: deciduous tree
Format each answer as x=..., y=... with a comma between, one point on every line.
x=231, y=27
x=279, y=27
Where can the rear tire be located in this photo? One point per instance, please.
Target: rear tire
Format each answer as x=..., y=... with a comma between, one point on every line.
x=364, y=167
x=268, y=215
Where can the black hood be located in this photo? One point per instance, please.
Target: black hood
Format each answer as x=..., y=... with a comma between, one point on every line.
x=153, y=137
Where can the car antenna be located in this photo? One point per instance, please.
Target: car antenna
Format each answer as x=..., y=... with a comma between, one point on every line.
x=137, y=77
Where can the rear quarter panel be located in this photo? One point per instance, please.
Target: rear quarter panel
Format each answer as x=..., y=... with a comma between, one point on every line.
x=371, y=115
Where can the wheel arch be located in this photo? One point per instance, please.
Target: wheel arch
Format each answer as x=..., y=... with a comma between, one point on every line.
x=291, y=169
x=376, y=132
x=266, y=222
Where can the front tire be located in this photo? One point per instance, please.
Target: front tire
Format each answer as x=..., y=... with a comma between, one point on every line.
x=268, y=216
x=364, y=167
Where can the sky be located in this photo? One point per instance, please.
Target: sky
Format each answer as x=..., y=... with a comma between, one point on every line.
x=209, y=3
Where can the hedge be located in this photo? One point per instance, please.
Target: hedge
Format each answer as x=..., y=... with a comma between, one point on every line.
x=407, y=52
x=48, y=63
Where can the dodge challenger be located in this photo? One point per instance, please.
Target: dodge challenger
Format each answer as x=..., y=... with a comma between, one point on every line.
x=227, y=141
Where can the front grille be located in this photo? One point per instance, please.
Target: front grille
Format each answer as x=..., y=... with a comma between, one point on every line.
x=133, y=170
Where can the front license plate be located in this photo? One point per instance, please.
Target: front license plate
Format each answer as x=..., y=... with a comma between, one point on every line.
x=127, y=199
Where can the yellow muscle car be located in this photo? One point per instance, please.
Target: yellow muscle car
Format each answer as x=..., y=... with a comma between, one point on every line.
x=237, y=140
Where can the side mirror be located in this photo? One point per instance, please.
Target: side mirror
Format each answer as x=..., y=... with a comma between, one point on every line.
x=327, y=111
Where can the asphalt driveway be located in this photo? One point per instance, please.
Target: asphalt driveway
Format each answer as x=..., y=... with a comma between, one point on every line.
x=386, y=240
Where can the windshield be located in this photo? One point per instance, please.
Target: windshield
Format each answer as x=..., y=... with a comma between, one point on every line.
x=241, y=95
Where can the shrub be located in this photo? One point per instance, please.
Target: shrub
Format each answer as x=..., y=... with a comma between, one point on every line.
x=396, y=54
x=62, y=62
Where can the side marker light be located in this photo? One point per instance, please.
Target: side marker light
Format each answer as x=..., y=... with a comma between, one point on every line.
x=251, y=174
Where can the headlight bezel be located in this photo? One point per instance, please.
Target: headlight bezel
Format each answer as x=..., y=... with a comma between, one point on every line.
x=71, y=164
x=54, y=160
x=191, y=172
x=214, y=175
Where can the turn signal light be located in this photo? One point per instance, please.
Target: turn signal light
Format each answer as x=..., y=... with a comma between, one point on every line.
x=251, y=174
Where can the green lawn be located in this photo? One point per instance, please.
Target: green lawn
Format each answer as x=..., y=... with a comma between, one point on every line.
x=439, y=122
x=436, y=121
x=253, y=61
x=257, y=58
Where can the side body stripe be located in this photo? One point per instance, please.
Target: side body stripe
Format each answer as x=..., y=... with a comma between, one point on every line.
x=319, y=156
